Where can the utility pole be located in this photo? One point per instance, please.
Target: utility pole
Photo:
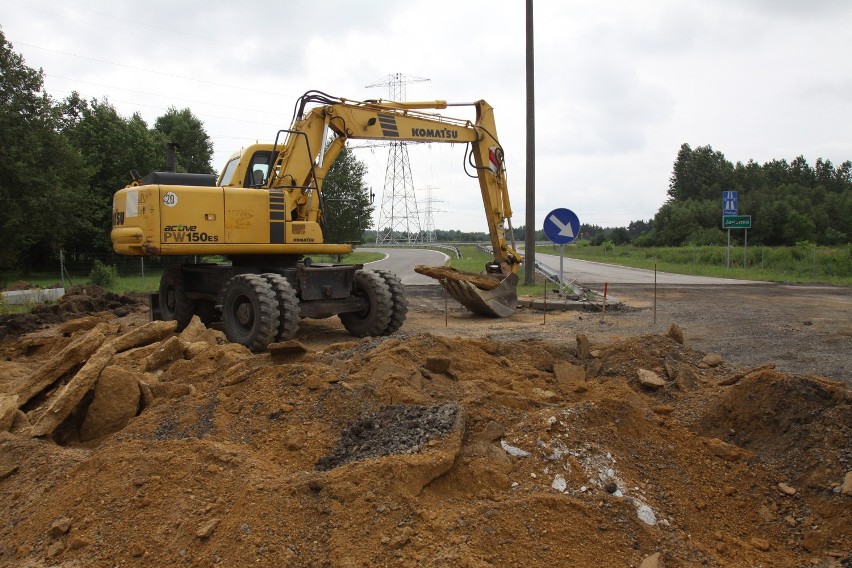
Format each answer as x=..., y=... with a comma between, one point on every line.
x=529, y=241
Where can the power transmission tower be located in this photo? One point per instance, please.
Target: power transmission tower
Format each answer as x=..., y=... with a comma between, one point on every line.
x=429, y=217
x=399, y=219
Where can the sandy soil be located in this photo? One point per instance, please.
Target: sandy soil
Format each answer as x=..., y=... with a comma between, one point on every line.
x=547, y=439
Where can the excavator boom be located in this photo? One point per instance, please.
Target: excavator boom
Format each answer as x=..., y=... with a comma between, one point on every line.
x=495, y=291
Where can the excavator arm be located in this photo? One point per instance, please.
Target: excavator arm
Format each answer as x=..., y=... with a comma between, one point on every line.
x=304, y=157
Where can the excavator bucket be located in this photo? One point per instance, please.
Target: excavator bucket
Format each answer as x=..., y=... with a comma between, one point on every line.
x=483, y=294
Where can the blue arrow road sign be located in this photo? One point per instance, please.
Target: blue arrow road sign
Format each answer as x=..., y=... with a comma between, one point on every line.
x=561, y=226
x=729, y=203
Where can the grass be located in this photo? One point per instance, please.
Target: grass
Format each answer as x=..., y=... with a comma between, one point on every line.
x=804, y=263
x=136, y=282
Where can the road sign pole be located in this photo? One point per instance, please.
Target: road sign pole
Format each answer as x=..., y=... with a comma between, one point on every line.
x=745, y=250
x=728, y=252
x=561, y=256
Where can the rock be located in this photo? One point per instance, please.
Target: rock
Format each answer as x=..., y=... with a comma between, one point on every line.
x=71, y=394
x=84, y=323
x=653, y=561
x=672, y=368
x=213, y=337
x=650, y=379
x=559, y=484
x=60, y=527
x=77, y=542
x=55, y=549
x=513, y=451
x=192, y=332
x=205, y=530
x=846, y=487
x=7, y=471
x=645, y=513
x=8, y=410
x=786, y=489
x=492, y=432
x=437, y=364
x=169, y=351
x=21, y=424
x=760, y=543
x=593, y=369
x=675, y=333
x=711, y=360
x=195, y=349
x=727, y=452
x=116, y=401
x=151, y=332
x=584, y=346
x=291, y=347
x=75, y=353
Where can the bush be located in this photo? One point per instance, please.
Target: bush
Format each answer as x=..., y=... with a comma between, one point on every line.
x=103, y=275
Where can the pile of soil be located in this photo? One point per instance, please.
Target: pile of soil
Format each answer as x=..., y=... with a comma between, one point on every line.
x=78, y=300
x=413, y=450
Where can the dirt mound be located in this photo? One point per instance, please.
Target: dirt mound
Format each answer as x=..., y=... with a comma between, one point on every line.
x=78, y=301
x=415, y=450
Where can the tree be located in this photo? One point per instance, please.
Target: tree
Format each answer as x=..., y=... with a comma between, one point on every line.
x=699, y=174
x=347, y=205
x=194, y=148
x=43, y=195
x=112, y=146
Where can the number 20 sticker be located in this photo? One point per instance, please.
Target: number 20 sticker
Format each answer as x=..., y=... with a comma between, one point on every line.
x=170, y=199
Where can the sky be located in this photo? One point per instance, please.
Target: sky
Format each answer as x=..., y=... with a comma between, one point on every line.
x=619, y=85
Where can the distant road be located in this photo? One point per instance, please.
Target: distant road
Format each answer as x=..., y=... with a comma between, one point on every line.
x=588, y=272
x=401, y=261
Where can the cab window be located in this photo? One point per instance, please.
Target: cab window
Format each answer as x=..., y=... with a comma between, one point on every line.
x=258, y=170
x=228, y=172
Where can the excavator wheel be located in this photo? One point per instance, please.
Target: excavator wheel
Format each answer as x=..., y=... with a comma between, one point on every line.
x=398, y=298
x=250, y=311
x=288, y=306
x=375, y=318
x=174, y=305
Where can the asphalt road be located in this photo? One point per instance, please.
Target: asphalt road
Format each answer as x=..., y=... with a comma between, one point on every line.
x=586, y=272
x=402, y=261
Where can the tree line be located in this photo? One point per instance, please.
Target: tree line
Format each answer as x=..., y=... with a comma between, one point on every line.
x=62, y=161
x=788, y=202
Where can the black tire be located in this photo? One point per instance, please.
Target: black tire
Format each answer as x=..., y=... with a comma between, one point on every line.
x=288, y=306
x=249, y=311
x=398, y=299
x=174, y=304
x=375, y=318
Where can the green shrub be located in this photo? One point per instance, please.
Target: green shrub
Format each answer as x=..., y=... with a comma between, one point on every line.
x=103, y=275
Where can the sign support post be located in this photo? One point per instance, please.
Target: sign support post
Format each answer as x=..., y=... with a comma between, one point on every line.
x=561, y=227
x=728, y=252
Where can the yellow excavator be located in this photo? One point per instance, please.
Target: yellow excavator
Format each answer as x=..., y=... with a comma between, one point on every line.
x=264, y=213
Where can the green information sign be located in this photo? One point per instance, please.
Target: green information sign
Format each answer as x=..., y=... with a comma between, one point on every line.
x=736, y=222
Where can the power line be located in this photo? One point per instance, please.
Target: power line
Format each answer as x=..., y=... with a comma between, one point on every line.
x=173, y=75
x=170, y=97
